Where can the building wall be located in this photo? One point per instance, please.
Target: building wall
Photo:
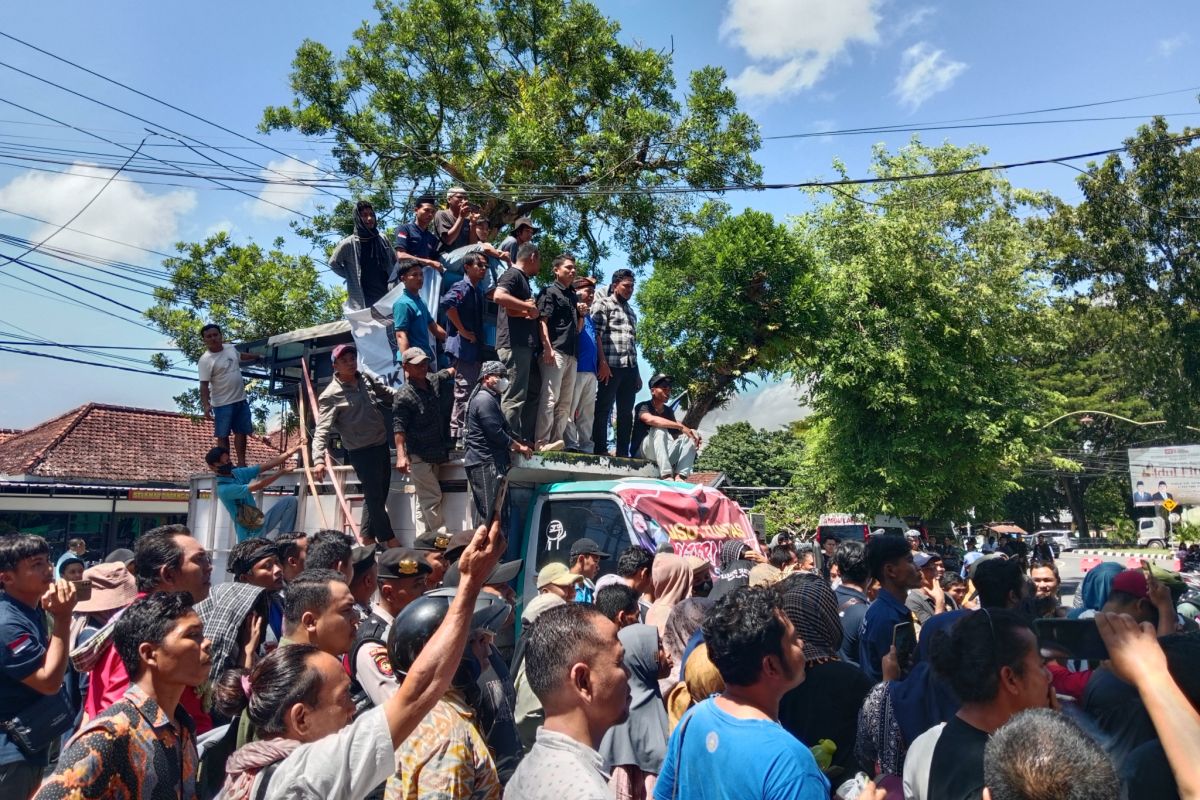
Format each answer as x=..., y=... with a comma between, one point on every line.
x=105, y=523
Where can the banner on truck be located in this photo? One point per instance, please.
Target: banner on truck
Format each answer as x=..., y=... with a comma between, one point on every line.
x=1158, y=474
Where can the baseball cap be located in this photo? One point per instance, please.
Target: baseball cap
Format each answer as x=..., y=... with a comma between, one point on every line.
x=525, y=222
x=660, y=378
x=697, y=565
x=402, y=562
x=912, y=534
x=414, y=355
x=557, y=574
x=587, y=547
x=342, y=348
x=921, y=559
x=456, y=190
x=432, y=540
x=1131, y=581
x=503, y=572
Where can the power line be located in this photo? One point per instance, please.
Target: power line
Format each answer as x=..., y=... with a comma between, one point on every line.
x=91, y=346
x=94, y=364
x=85, y=233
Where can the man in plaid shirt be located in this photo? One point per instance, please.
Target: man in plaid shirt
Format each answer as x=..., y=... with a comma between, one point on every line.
x=616, y=367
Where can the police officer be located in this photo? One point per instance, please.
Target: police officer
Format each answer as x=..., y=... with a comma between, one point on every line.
x=403, y=573
x=432, y=546
x=362, y=584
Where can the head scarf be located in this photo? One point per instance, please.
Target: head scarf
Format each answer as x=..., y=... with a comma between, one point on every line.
x=701, y=681
x=641, y=740
x=223, y=613
x=245, y=563
x=731, y=551
x=735, y=570
x=812, y=607
x=672, y=580
x=683, y=621
x=922, y=700
x=1096, y=587
x=370, y=248
x=765, y=575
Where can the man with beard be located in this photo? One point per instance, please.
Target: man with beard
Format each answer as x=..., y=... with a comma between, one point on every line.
x=364, y=260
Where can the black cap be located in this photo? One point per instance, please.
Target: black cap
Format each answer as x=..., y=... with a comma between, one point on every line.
x=432, y=540
x=660, y=378
x=362, y=557
x=587, y=547
x=458, y=543
x=503, y=572
x=402, y=562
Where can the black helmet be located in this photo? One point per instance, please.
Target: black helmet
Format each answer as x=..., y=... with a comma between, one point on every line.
x=415, y=626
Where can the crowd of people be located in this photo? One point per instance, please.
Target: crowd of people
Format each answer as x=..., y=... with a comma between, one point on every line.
x=321, y=668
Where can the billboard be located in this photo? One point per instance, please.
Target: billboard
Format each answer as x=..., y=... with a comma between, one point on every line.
x=1157, y=474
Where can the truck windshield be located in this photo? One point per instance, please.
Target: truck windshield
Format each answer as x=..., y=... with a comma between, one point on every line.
x=564, y=522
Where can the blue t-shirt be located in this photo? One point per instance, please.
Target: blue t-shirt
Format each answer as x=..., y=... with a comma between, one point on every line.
x=878, y=628
x=750, y=759
x=585, y=347
x=411, y=315
x=23, y=641
x=416, y=242
x=466, y=298
x=234, y=490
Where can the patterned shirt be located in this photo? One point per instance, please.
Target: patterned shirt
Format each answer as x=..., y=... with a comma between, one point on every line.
x=616, y=325
x=130, y=750
x=445, y=758
x=423, y=415
x=559, y=767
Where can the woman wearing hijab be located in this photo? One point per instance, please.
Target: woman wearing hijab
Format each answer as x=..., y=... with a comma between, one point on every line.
x=681, y=634
x=671, y=576
x=634, y=750
x=736, y=564
x=1094, y=591
x=701, y=680
x=826, y=704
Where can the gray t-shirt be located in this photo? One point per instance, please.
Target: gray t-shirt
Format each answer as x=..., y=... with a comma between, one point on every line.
x=444, y=221
x=559, y=767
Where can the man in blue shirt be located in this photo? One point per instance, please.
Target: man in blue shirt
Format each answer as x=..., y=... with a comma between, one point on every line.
x=236, y=487
x=583, y=402
x=415, y=241
x=464, y=310
x=414, y=325
x=890, y=561
x=32, y=663
x=732, y=745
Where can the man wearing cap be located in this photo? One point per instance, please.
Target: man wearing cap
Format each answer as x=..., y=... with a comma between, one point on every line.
x=410, y=316
x=517, y=338
x=350, y=405
x=522, y=232
x=558, y=580
x=656, y=434
x=929, y=598
x=464, y=311
x=586, y=556
x=452, y=225
x=616, y=363
x=236, y=487
x=364, y=579
x=431, y=545
x=583, y=399
x=489, y=439
x=420, y=416
x=364, y=260
x=402, y=578
x=559, y=331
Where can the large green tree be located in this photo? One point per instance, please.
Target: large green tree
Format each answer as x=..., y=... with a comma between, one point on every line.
x=1134, y=241
x=752, y=456
x=730, y=301
x=535, y=106
x=250, y=292
x=928, y=310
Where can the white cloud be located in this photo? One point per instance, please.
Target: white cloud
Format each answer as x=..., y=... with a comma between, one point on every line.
x=289, y=196
x=913, y=19
x=794, y=41
x=923, y=73
x=1167, y=47
x=770, y=406
x=221, y=226
x=124, y=211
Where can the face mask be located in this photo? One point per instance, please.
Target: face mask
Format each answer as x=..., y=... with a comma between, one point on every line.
x=502, y=385
x=225, y=469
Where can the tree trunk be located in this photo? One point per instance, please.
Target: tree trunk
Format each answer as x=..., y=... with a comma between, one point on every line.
x=1074, y=489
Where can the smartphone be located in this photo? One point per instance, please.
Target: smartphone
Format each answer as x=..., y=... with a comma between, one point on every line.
x=904, y=639
x=83, y=590
x=1079, y=638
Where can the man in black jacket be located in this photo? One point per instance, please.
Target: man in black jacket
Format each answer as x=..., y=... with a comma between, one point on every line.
x=489, y=439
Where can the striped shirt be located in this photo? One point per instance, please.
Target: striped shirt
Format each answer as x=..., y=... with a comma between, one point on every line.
x=616, y=325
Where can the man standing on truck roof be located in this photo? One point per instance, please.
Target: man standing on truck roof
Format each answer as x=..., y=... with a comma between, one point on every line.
x=222, y=391
x=489, y=439
x=419, y=415
x=364, y=259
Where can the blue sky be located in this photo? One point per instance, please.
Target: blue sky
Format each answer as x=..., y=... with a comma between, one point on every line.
x=799, y=66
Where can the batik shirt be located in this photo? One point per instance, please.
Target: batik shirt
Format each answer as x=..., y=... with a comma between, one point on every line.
x=445, y=758
x=131, y=750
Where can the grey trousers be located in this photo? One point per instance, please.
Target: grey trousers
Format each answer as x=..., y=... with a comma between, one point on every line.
x=673, y=456
x=518, y=402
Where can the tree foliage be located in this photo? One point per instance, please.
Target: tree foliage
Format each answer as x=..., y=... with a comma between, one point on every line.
x=730, y=301
x=752, y=456
x=249, y=292
x=928, y=310
x=1134, y=241
x=533, y=106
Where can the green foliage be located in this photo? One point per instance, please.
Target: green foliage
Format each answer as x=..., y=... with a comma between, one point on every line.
x=787, y=510
x=1134, y=241
x=752, y=456
x=249, y=292
x=1123, y=531
x=530, y=105
x=1186, y=533
x=734, y=299
x=928, y=310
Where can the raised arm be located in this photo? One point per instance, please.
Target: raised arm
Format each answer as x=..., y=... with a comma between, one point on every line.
x=280, y=459
x=430, y=675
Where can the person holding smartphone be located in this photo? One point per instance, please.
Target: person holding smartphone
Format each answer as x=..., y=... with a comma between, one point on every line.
x=891, y=563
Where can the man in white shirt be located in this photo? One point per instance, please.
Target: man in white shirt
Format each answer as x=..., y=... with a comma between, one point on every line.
x=222, y=391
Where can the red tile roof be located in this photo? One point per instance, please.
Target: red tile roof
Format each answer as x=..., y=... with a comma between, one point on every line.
x=713, y=479
x=109, y=444
x=8, y=433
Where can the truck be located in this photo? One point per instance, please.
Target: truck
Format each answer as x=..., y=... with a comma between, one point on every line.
x=1152, y=532
x=554, y=498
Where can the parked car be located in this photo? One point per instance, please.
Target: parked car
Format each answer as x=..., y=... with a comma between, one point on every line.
x=1060, y=537
x=1030, y=540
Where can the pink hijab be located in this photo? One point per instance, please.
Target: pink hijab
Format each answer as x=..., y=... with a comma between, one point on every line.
x=672, y=580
